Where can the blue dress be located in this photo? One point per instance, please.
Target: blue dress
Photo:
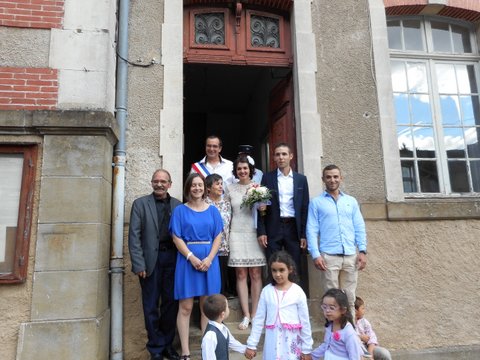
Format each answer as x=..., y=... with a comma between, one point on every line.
x=197, y=230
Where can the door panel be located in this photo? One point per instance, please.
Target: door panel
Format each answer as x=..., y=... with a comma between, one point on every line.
x=281, y=119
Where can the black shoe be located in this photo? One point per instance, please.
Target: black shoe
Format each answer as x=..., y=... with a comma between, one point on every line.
x=156, y=357
x=170, y=353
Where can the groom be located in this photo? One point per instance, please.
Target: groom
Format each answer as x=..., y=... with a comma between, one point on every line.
x=283, y=227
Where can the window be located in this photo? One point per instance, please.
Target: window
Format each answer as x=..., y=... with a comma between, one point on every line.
x=435, y=77
x=17, y=166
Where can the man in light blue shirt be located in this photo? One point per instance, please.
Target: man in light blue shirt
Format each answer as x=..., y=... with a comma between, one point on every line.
x=335, y=230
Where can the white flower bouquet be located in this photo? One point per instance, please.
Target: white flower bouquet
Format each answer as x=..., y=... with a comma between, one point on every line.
x=256, y=194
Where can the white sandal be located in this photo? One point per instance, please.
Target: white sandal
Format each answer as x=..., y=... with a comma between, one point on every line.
x=244, y=324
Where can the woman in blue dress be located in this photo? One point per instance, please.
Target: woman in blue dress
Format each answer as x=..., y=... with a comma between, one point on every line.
x=196, y=229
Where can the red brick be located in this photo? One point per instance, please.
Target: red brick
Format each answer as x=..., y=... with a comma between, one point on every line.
x=4, y=4
x=27, y=76
x=13, y=82
x=37, y=82
x=49, y=89
x=24, y=101
x=12, y=94
x=18, y=12
x=47, y=102
x=58, y=9
x=42, y=25
x=10, y=69
x=4, y=87
x=42, y=13
x=53, y=20
x=26, y=18
x=27, y=88
x=39, y=70
x=48, y=77
x=39, y=95
x=20, y=24
x=29, y=6
x=6, y=75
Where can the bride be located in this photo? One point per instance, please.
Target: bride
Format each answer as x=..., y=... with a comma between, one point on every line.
x=246, y=254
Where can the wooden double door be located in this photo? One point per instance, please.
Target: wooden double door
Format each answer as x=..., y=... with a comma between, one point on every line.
x=237, y=78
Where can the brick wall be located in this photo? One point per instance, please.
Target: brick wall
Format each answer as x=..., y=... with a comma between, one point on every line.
x=28, y=88
x=468, y=10
x=41, y=14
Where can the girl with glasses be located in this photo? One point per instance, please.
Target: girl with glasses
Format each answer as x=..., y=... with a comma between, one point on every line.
x=341, y=341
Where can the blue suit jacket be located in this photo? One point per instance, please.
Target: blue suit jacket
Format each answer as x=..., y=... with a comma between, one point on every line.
x=270, y=223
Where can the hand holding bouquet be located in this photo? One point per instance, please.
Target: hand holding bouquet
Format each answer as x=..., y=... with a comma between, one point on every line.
x=256, y=194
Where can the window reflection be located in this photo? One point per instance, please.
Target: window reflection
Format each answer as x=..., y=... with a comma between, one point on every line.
x=454, y=143
x=441, y=37
x=420, y=107
x=394, y=35
x=428, y=174
x=405, y=141
x=412, y=35
x=458, y=176
x=475, y=173
x=470, y=110
x=467, y=83
x=450, y=109
x=417, y=77
x=461, y=39
x=437, y=105
x=447, y=83
x=401, y=108
x=409, y=178
x=471, y=139
x=424, y=142
x=399, y=76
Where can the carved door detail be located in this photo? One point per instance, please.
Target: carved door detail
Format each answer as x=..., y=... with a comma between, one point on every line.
x=236, y=35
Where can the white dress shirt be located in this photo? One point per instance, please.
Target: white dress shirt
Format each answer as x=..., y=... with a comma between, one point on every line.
x=224, y=168
x=209, y=342
x=285, y=194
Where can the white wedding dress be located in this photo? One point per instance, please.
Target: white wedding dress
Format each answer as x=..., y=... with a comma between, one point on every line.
x=245, y=251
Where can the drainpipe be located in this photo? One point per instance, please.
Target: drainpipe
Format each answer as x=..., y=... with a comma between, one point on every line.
x=118, y=197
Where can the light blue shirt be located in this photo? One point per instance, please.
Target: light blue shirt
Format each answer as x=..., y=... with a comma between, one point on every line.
x=335, y=227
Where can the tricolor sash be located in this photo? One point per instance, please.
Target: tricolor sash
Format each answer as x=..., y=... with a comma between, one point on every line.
x=200, y=169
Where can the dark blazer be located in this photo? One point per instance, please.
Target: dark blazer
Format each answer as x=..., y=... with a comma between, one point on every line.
x=143, y=233
x=270, y=223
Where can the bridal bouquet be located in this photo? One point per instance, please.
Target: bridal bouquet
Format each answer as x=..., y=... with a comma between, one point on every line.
x=256, y=194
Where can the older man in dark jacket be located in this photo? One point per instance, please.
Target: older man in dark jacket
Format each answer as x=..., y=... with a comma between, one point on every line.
x=153, y=257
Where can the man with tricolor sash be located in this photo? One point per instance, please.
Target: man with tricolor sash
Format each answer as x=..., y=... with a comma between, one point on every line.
x=213, y=163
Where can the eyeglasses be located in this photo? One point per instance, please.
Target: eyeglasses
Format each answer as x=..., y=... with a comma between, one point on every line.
x=163, y=182
x=326, y=307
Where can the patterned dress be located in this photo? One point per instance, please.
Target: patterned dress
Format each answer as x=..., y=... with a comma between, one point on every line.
x=245, y=251
x=225, y=209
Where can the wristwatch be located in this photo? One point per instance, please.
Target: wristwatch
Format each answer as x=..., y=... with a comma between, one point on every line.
x=363, y=252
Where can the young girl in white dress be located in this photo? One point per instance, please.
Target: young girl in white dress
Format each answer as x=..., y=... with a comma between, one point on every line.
x=283, y=311
x=340, y=342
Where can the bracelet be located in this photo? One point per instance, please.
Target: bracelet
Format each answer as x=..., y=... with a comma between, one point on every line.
x=188, y=255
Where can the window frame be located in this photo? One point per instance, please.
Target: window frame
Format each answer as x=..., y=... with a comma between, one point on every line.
x=25, y=211
x=431, y=58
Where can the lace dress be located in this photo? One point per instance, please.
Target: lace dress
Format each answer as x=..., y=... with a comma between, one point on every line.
x=245, y=251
